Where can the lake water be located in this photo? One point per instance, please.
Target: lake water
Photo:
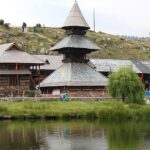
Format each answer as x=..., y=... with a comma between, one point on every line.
x=74, y=135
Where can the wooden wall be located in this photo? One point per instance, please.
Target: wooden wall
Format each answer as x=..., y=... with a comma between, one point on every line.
x=77, y=91
x=13, y=85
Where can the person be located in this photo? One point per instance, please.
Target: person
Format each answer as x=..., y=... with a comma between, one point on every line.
x=24, y=26
x=61, y=97
x=65, y=96
x=147, y=92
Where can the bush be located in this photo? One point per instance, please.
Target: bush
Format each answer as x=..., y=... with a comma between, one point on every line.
x=31, y=93
x=1, y=22
x=6, y=25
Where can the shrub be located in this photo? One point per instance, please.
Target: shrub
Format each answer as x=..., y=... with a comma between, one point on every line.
x=1, y=22
x=6, y=25
x=31, y=93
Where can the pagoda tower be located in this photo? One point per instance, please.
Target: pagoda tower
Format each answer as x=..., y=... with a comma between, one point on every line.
x=75, y=76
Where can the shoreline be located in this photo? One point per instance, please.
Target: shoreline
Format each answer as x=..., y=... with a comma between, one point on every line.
x=91, y=110
x=56, y=98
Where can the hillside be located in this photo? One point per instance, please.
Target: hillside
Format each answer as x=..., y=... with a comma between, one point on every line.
x=40, y=40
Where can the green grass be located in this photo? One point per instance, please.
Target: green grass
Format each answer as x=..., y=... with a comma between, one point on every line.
x=103, y=110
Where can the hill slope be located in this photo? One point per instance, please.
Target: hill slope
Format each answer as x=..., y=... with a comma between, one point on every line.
x=39, y=42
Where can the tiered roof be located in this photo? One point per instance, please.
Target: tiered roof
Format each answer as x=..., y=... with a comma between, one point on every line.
x=75, y=41
x=72, y=73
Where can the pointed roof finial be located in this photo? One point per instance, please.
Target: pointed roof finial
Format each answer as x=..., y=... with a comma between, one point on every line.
x=75, y=18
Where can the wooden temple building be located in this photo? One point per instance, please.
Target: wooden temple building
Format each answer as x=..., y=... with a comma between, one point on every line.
x=75, y=76
x=15, y=75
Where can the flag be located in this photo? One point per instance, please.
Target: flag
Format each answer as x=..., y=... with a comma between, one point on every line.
x=17, y=68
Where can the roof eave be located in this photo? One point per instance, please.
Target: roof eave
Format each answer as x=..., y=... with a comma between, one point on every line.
x=75, y=26
x=21, y=63
x=75, y=49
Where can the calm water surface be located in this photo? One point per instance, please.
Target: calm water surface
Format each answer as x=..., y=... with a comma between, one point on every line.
x=74, y=135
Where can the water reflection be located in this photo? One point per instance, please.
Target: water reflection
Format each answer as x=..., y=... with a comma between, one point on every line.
x=126, y=136
x=74, y=135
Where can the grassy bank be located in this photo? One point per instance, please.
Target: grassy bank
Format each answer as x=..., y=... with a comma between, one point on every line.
x=106, y=110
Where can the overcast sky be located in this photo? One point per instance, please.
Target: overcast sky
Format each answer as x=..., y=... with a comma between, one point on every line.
x=121, y=17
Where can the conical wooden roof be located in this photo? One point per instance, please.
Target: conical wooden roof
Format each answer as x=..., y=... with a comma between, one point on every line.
x=75, y=19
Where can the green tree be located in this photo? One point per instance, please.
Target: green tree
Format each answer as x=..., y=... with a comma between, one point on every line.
x=126, y=84
x=38, y=25
x=1, y=22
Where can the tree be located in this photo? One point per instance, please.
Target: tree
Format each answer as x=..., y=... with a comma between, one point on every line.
x=1, y=22
x=38, y=28
x=38, y=25
x=126, y=84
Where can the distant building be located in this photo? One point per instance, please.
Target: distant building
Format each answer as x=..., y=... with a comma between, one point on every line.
x=15, y=76
x=106, y=66
x=75, y=76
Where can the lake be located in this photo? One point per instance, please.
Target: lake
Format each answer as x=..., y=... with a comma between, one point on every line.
x=74, y=135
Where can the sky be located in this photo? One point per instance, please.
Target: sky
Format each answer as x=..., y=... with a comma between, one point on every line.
x=118, y=17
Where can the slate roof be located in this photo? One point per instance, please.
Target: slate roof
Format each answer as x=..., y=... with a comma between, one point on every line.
x=75, y=18
x=144, y=66
x=101, y=65
x=147, y=63
x=74, y=74
x=77, y=42
x=107, y=65
x=51, y=62
x=12, y=53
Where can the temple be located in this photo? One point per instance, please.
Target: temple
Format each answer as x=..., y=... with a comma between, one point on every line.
x=75, y=76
